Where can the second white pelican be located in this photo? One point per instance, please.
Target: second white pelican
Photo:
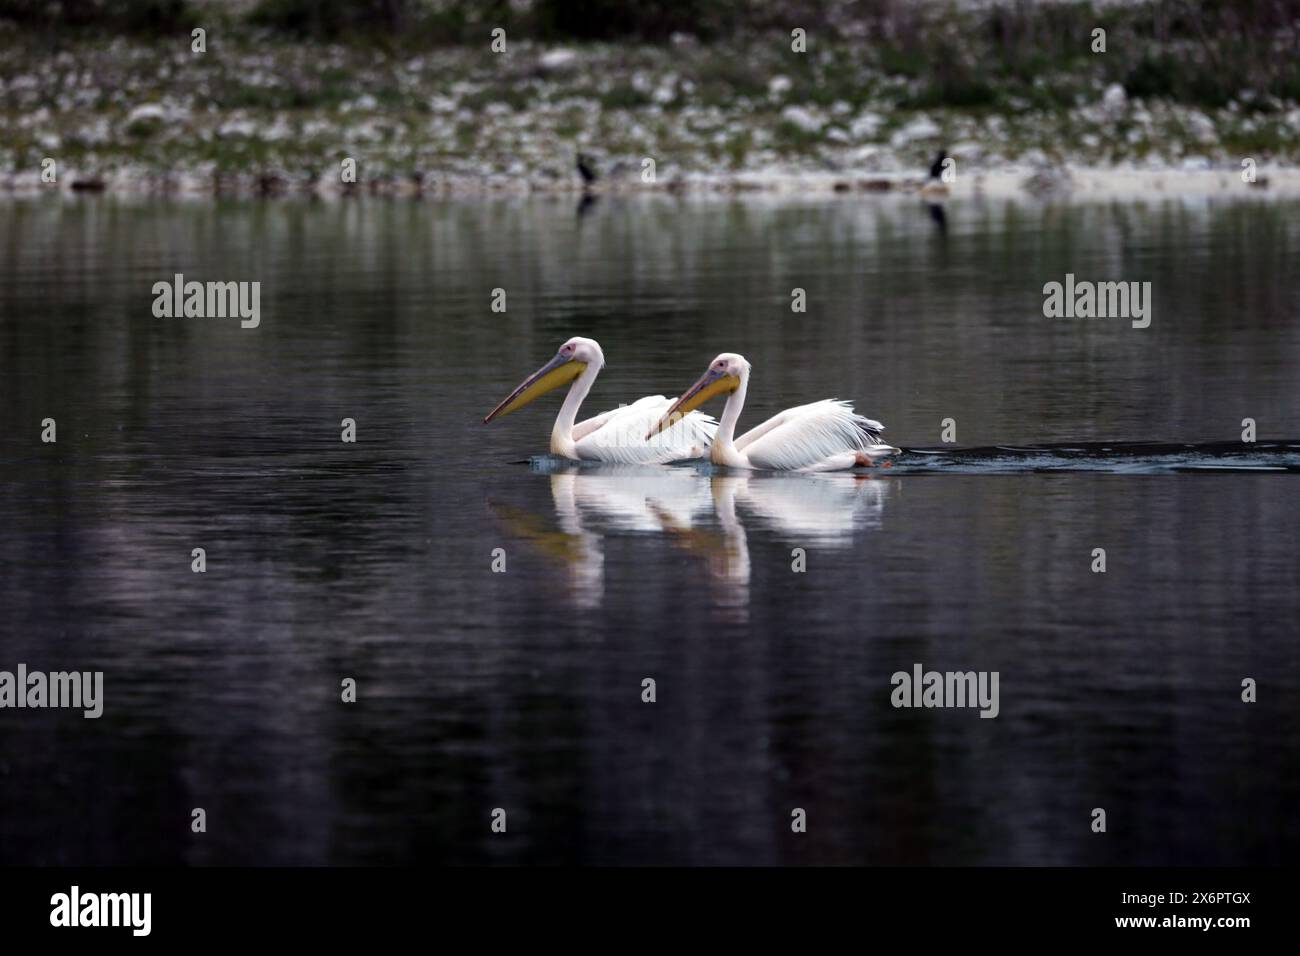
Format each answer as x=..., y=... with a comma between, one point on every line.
x=822, y=436
x=613, y=436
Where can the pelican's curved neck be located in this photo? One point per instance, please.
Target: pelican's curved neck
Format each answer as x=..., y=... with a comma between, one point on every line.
x=562, y=442
x=724, y=438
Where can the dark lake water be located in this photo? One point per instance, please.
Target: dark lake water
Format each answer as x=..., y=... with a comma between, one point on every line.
x=522, y=690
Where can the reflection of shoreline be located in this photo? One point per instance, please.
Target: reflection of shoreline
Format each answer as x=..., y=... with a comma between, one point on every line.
x=1094, y=185
x=703, y=515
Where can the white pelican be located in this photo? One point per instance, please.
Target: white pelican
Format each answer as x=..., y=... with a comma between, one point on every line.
x=613, y=436
x=822, y=436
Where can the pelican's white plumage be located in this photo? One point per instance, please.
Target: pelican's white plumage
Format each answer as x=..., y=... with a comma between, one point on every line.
x=821, y=436
x=810, y=437
x=618, y=436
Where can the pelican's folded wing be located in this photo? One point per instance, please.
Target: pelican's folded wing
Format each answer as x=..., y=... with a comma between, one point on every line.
x=808, y=436
x=619, y=435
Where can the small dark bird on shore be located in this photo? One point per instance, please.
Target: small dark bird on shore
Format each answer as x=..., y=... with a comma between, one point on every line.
x=586, y=169
x=936, y=168
x=935, y=187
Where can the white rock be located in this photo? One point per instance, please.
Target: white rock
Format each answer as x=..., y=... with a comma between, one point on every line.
x=558, y=59
x=866, y=125
x=279, y=131
x=1114, y=99
x=1201, y=127
x=920, y=128
x=237, y=127
x=803, y=118
x=145, y=112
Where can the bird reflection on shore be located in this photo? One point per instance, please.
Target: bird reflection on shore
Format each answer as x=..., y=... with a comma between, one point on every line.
x=705, y=516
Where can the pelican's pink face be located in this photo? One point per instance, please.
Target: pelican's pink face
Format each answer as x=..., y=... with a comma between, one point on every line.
x=587, y=351
x=722, y=377
x=569, y=362
x=729, y=363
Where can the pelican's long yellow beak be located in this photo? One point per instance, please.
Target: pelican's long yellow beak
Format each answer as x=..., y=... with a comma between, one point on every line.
x=712, y=383
x=558, y=371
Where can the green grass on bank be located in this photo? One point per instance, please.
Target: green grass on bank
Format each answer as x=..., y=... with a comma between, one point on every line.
x=1205, y=53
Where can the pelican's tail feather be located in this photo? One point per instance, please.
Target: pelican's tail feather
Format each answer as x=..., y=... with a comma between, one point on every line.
x=871, y=430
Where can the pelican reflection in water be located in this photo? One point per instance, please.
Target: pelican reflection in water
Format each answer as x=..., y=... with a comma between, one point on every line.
x=591, y=502
x=704, y=516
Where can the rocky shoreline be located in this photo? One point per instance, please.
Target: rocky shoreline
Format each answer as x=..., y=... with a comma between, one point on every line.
x=251, y=116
